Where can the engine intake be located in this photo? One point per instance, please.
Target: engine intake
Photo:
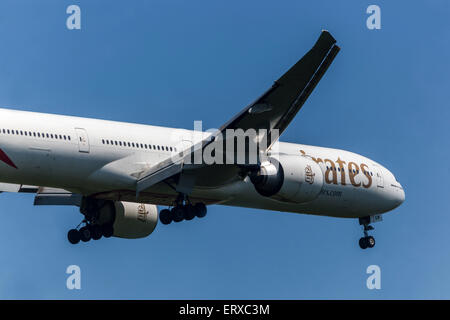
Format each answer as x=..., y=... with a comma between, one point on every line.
x=295, y=179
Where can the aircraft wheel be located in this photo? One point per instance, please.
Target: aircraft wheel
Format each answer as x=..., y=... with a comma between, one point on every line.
x=85, y=234
x=96, y=232
x=363, y=243
x=73, y=236
x=370, y=241
x=189, y=212
x=177, y=214
x=165, y=216
x=107, y=230
x=200, y=209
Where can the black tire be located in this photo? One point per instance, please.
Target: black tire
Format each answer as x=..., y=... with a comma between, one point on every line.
x=73, y=236
x=165, y=216
x=96, y=232
x=177, y=214
x=363, y=243
x=200, y=209
x=189, y=212
x=370, y=241
x=85, y=234
x=107, y=230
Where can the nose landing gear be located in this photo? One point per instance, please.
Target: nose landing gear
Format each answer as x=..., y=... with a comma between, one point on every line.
x=367, y=241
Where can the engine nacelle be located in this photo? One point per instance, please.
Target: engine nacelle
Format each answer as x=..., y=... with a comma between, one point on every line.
x=130, y=220
x=134, y=220
x=295, y=179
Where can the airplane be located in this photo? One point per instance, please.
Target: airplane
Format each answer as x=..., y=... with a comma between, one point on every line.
x=119, y=173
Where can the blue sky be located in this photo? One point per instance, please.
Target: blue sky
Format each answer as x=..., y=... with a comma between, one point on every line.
x=168, y=63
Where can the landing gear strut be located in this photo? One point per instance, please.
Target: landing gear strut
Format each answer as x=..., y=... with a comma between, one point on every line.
x=183, y=209
x=367, y=241
x=93, y=229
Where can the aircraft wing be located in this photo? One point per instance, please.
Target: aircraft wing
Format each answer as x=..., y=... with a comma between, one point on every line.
x=276, y=108
x=44, y=195
x=272, y=112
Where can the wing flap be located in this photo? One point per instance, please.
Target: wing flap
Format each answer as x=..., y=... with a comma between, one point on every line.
x=56, y=197
x=20, y=188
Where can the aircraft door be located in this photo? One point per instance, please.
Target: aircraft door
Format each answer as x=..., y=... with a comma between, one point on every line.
x=379, y=177
x=83, y=140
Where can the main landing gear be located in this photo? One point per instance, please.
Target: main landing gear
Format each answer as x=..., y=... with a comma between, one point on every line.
x=182, y=210
x=89, y=232
x=367, y=241
x=94, y=225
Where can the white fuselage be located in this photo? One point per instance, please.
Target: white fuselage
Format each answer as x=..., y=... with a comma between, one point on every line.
x=92, y=157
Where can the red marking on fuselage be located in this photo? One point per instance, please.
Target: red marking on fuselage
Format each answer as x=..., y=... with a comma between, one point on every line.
x=6, y=159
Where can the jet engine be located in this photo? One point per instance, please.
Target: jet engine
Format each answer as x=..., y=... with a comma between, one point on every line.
x=130, y=220
x=294, y=179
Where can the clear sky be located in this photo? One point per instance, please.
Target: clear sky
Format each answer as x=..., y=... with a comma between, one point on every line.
x=386, y=96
